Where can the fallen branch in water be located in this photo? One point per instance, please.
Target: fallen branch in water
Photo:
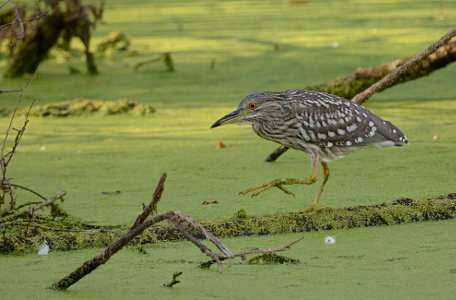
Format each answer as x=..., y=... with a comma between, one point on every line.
x=177, y=218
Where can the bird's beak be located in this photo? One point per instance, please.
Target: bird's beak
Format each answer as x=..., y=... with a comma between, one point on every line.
x=232, y=117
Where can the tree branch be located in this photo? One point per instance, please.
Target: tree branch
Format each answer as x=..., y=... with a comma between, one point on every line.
x=389, y=79
x=59, y=195
x=175, y=217
x=5, y=185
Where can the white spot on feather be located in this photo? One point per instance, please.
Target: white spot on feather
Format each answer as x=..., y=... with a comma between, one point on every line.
x=352, y=127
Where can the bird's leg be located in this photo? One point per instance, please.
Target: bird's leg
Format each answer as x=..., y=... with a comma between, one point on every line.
x=314, y=206
x=280, y=182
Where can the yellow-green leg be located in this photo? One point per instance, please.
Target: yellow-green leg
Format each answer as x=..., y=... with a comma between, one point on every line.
x=314, y=206
x=280, y=182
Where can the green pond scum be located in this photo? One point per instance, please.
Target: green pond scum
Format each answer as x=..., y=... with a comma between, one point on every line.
x=109, y=161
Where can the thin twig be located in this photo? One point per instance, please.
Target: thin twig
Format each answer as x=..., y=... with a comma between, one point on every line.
x=393, y=76
x=59, y=195
x=4, y=3
x=9, y=91
x=18, y=19
x=14, y=113
x=29, y=190
x=21, y=21
x=4, y=183
x=253, y=251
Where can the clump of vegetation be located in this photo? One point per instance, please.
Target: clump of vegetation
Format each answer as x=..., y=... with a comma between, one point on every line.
x=272, y=258
x=80, y=106
x=116, y=40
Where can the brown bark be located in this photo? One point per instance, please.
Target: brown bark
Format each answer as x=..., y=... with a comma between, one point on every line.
x=350, y=85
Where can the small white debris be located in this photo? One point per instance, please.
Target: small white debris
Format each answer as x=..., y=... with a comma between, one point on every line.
x=394, y=131
x=348, y=143
x=329, y=240
x=371, y=123
x=42, y=148
x=335, y=45
x=44, y=248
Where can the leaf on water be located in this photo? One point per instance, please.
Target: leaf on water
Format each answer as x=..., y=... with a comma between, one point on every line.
x=220, y=145
x=209, y=202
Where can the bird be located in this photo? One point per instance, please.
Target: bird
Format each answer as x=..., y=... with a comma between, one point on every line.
x=325, y=126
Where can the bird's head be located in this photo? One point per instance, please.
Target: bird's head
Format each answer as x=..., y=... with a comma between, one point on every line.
x=252, y=108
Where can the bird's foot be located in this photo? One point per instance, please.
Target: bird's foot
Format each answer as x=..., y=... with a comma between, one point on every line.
x=279, y=183
x=275, y=183
x=313, y=208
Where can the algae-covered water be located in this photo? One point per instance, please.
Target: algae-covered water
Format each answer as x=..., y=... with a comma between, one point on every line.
x=109, y=165
x=413, y=261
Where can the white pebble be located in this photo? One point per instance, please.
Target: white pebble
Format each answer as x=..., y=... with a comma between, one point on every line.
x=44, y=248
x=330, y=240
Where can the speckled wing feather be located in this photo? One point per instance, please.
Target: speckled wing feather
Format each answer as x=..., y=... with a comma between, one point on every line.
x=328, y=120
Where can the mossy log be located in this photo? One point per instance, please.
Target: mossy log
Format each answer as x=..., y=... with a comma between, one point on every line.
x=350, y=85
x=403, y=210
x=65, y=233
x=36, y=46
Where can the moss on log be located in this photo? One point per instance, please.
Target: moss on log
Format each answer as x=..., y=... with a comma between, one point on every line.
x=398, y=212
x=65, y=233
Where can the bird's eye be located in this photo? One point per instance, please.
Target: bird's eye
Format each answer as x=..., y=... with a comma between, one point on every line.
x=252, y=105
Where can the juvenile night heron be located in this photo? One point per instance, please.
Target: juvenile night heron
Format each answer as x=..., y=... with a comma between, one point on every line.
x=324, y=125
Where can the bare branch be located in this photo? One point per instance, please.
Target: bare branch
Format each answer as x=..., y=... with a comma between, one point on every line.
x=4, y=3
x=393, y=76
x=5, y=185
x=29, y=190
x=14, y=113
x=253, y=251
x=9, y=91
x=18, y=20
x=59, y=195
x=152, y=207
x=21, y=21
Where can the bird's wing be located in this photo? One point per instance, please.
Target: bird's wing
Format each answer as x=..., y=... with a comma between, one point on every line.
x=329, y=120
